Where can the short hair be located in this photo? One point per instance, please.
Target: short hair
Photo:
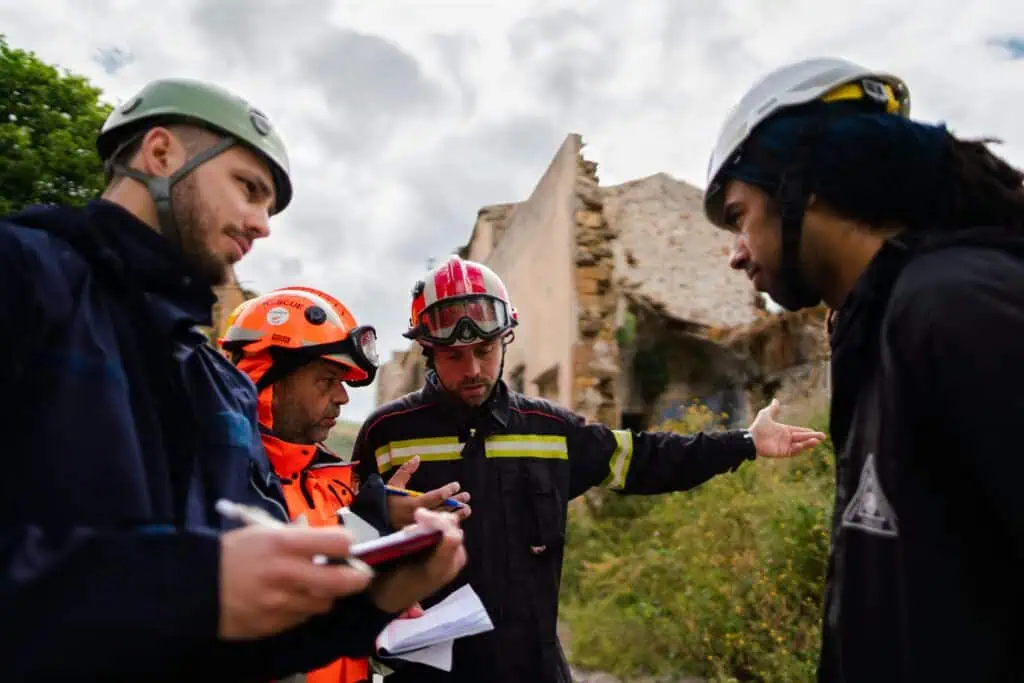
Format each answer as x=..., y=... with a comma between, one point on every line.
x=193, y=138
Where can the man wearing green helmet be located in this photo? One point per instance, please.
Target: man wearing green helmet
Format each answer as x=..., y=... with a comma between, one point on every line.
x=123, y=429
x=202, y=130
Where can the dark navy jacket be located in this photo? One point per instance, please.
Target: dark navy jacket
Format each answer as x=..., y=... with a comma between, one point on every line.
x=121, y=428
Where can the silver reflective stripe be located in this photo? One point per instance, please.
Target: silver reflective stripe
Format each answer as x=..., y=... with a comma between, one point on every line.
x=543, y=446
x=620, y=460
x=396, y=453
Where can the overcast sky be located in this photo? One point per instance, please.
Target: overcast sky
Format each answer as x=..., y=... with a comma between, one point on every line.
x=403, y=117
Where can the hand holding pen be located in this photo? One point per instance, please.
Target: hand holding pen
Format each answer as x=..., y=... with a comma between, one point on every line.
x=271, y=577
x=402, y=503
x=253, y=516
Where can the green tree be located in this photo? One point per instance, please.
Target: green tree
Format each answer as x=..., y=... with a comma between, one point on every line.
x=49, y=120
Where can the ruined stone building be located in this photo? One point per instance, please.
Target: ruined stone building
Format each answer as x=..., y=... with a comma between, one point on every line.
x=628, y=310
x=229, y=296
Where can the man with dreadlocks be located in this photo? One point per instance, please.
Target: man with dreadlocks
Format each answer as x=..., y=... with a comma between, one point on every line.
x=522, y=459
x=915, y=238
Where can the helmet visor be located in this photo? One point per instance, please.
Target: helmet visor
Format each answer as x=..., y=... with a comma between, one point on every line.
x=464, y=318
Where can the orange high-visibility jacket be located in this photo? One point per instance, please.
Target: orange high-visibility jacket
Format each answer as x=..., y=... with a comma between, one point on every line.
x=317, y=484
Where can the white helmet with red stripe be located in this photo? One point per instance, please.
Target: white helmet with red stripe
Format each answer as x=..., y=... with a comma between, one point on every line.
x=460, y=303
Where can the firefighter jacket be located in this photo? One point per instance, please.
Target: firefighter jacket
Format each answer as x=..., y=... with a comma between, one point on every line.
x=122, y=428
x=522, y=460
x=924, y=579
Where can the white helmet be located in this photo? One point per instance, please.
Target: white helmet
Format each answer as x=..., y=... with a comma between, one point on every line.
x=824, y=78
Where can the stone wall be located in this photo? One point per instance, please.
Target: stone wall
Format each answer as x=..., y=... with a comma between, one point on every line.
x=405, y=372
x=490, y=225
x=533, y=255
x=670, y=256
x=735, y=371
x=230, y=295
x=787, y=357
x=595, y=351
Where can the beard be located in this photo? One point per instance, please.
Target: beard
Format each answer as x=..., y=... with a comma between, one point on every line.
x=295, y=425
x=195, y=226
x=456, y=392
x=792, y=291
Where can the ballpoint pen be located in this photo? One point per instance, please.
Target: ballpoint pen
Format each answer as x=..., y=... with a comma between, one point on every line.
x=447, y=502
x=251, y=516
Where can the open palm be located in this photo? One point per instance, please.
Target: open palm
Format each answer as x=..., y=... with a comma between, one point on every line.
x=776, y=440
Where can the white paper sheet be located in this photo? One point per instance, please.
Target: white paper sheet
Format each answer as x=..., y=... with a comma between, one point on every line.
x=428, y=639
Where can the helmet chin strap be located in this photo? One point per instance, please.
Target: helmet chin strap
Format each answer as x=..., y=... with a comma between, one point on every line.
x=160, y=186
x=794, y=291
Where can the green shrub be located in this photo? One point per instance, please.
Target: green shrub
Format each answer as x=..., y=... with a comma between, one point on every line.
x=724, y=581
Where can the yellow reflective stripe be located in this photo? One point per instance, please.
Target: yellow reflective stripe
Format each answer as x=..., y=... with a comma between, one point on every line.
x=434, y=449
x=620, y=460
x=543, y=446
x=539, y=438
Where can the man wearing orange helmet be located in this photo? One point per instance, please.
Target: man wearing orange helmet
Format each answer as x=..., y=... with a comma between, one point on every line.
x=301, y=346
x=523, y=459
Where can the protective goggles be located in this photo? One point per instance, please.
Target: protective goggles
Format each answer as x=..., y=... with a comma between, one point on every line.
x=357, y=352
x=464, y=319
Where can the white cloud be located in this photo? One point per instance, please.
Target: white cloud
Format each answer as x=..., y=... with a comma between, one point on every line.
x=405, y=116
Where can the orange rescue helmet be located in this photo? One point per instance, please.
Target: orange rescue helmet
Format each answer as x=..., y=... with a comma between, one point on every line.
x=294, y=325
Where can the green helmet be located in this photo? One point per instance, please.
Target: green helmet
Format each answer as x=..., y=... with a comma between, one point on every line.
x=206, y=105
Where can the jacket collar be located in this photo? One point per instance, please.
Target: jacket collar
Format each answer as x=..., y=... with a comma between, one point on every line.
x=135, y=259
x=290, y=459
x=856, y=330
x=497, y=405
x=146, y=257
x=855, y=334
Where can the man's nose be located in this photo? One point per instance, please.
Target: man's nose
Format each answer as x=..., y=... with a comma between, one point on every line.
x=257, y=224
x=473, y=366
x=340, y=394
x=740, y=254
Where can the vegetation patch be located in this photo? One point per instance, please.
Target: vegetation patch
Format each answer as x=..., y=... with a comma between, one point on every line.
x=723, y=582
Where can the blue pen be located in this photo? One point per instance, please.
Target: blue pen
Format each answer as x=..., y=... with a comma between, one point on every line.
x=448, y=502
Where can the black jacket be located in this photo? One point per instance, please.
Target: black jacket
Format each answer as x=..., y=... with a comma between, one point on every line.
x=927, y=561
x=122, y=427
x=523, y=460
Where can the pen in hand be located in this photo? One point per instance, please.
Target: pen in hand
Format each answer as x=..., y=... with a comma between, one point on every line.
x=447, y=502
x=253, y=516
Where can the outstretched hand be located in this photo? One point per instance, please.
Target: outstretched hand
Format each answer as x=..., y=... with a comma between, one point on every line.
x=776, y=440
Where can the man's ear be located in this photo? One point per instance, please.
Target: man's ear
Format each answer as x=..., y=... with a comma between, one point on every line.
x=160, y=153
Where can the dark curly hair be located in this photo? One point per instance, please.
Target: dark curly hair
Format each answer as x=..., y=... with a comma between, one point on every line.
x=882, y=169
x=983, y=188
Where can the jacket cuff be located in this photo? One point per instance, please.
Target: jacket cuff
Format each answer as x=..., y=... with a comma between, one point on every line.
x=740, y=442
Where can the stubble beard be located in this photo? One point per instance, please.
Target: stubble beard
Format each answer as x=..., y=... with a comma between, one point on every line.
x=195, y=226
